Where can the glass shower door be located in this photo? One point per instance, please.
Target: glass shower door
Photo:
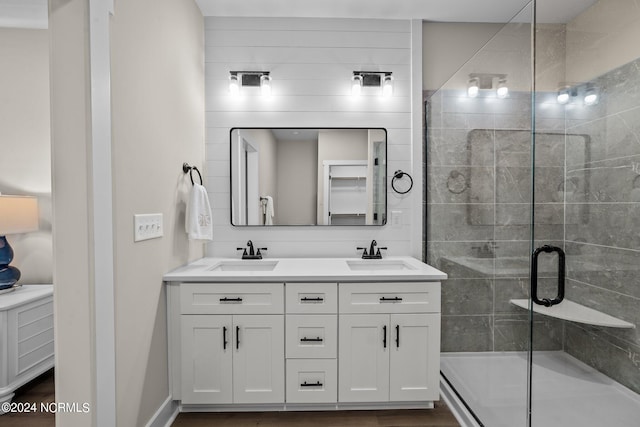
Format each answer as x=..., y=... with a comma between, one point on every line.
x=584, y=300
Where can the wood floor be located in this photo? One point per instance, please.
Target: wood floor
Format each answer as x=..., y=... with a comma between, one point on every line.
x=42, y=390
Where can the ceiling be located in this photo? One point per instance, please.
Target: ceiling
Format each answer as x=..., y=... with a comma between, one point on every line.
x=33, y=13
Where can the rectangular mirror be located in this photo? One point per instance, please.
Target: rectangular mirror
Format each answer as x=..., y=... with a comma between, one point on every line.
x=308, y=176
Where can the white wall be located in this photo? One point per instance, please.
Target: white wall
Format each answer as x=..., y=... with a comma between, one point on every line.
x=26, y=143
x=311, y=62
x=157, y=82
x=295, y=201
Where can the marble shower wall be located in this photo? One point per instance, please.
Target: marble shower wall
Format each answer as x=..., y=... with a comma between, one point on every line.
x=603, y=224
x=478, y=160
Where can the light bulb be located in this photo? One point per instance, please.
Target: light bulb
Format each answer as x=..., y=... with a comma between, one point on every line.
x=387, y=86
x=234, y=86
x=473, y=88
x=591, y=97
x=563, y=97
x=265, y=85
x=503, y=90
x=356, y=85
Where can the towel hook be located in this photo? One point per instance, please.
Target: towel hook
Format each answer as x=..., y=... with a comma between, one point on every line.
x=189, y=169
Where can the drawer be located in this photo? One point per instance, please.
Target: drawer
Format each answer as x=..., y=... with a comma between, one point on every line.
x=313, y=336
x=231, y=298
x=391, y=297
x=312, y=381
x=303, y=298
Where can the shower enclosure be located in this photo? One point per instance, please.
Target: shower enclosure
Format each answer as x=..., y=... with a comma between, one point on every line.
x=533, y=210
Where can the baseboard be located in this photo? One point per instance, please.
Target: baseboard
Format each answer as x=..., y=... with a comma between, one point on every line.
x=456, y=406
x=165, y=415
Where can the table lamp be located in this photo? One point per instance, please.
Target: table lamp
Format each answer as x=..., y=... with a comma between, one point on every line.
x=18, y=214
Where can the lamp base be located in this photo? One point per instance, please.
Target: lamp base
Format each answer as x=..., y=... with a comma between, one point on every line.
x=8, y=275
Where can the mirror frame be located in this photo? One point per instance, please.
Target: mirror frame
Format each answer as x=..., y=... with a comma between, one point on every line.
x=385, y=192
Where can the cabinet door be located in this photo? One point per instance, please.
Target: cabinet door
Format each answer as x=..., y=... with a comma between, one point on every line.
x=258, y=359
x=364, y=358
x=415, y=357
x=206, y=359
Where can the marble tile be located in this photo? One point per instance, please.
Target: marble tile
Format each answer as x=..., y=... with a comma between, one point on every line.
x=455, y=184
x=467, y=296
x=608, y=224
x=459, y=222
x=613, y=269
x=466, y=333
x=614, y=358
x=512, y=333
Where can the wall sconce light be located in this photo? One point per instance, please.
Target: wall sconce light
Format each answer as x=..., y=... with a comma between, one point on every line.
x=478, y=81
x=570, y=93
x=260, y=79
x=378, y=79
x=503, y=89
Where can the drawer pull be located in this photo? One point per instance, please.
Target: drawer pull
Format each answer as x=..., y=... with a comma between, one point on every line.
x=316, y=299
x=316, y=384
x=224, y=338
x=305, y=339
x=394, y=299
x=397, y=336
x=237, y=337
x=225, y=299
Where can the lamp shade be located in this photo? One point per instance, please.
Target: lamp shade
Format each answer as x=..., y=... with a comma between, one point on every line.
x=18, y=214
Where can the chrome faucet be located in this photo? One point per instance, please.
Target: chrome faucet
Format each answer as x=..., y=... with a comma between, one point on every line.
x=252, y=252
x=372, y=254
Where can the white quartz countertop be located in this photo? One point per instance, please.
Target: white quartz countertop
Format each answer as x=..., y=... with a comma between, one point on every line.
x=304, y=270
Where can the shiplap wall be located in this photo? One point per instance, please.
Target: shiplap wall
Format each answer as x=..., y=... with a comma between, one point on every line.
x=311, y=63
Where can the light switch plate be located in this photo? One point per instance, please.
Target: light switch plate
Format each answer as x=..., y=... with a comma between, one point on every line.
x=147, y=226
x=396, y=219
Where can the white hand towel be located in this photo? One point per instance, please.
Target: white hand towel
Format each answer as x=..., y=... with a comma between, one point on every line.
x=269, y=211
x=198, y=216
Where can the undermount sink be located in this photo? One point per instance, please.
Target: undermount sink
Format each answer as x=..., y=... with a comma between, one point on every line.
x=244, y=265
x=378, y=264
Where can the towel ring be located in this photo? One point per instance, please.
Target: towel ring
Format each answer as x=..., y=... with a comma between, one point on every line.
x=186, y=168
x=398, y=175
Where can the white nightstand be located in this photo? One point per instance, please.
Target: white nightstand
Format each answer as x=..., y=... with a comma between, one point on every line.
x=26, y=336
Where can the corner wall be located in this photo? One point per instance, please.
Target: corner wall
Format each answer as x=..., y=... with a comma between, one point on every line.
x=311, y=63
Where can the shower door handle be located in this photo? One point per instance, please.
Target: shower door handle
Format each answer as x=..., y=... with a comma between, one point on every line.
x=534, y=276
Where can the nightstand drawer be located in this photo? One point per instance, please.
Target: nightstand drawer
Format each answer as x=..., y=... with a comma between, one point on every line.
x=231, y=298
x=311, y=336
x=390, y=297
x=303, y=298
x=312, y=381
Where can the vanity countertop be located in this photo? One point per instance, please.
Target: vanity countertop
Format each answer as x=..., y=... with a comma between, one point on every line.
x=305, y=270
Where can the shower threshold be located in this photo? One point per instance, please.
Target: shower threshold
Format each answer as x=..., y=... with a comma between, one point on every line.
x=566, y=392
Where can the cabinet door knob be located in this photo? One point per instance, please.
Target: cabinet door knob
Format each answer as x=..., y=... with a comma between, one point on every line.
x=237, y=337
x=397, y=336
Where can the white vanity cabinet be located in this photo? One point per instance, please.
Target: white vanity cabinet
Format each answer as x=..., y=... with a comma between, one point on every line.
x=304, y=334
x=231, y=343
x=389, y=342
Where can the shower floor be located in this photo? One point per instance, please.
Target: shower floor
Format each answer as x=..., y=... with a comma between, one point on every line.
x=566, y=392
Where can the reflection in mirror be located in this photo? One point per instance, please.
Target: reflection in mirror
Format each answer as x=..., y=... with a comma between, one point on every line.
x=304, y=176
